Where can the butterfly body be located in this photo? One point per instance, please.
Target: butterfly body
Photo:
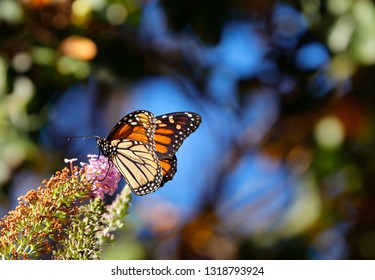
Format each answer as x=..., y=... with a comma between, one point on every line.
x=105, y=146
x=143, y=147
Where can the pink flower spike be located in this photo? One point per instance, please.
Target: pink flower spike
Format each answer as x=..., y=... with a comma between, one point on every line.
x=104, y=174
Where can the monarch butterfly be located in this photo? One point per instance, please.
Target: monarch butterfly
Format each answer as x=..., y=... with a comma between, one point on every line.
x=143, y=147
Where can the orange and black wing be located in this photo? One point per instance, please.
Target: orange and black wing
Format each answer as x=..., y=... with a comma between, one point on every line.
x=133, y=151
x=138, y=125
x=168, y=168
x=171, y=131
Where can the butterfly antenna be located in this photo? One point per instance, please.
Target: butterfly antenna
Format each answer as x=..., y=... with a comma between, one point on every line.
x=83, y=137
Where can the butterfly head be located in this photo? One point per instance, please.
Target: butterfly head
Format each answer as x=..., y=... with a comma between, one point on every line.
x=106, y=147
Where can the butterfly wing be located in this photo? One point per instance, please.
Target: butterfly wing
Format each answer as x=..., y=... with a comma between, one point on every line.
x=138, y=125
x=171, y=131
x=134, y=151
x=139, y=165
x=169, y=168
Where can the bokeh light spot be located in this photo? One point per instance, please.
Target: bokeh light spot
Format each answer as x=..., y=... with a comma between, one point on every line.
x=70, y=66
x=65, y=65
x=289, y=25
x=363, y=42
x=22, y=62
x=11, y=11
x=312, y=56
x=364, y=11
x=304, y=211
x=329, y=132
x=341, y=67
x=338, y=7
x=43, y=55
x=116, y=14
x=97, y=5
x=80, y=11
x=341, y=34
x=81, y=48
x=23, y=89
